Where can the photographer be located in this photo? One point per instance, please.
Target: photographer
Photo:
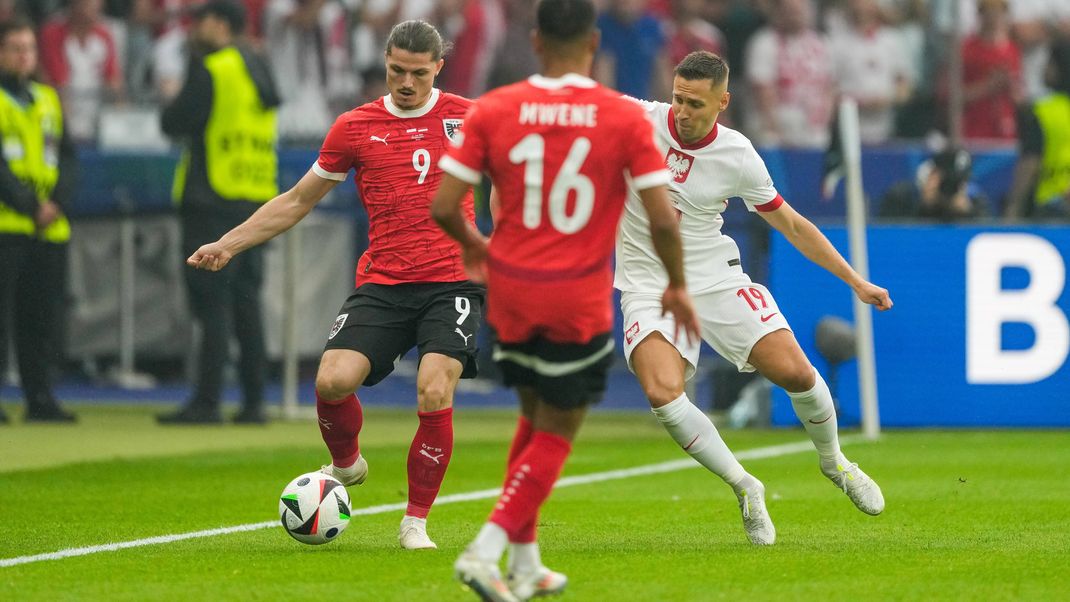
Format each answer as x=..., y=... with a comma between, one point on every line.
x=941, y=191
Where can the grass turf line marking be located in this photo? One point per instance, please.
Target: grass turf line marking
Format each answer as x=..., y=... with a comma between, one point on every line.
x=585, y=479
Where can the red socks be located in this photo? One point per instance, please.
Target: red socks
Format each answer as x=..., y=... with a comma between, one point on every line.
x=340, y=423
x=429, y=456
x=531, y=477
x=525, y=534
x=520, y=439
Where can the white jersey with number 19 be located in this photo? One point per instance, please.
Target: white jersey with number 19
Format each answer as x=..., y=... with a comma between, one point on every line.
x=705, y=175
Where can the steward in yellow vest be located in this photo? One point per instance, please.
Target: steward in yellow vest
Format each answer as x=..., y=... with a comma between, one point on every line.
x=36, y=180
x=1041, y=187
x=225, y=117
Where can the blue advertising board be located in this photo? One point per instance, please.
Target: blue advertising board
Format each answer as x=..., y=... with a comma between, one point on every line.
x=979, y=335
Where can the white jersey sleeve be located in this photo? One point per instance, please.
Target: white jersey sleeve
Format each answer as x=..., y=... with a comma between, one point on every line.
x=755, y=185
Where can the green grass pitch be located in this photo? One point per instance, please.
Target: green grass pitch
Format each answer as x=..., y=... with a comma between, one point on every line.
x=970, y=515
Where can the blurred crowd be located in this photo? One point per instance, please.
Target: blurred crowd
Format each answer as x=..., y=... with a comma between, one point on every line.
x=791, y=59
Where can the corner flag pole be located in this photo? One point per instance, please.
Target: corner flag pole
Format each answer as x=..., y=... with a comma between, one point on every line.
x=856, y=232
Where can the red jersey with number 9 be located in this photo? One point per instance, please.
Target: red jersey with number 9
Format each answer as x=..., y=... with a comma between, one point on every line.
x=395, y=153
x=558, y=152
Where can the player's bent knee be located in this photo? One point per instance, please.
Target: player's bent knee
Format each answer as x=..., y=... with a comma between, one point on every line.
x=334, y=385
x=433, y=396
x=661, y=391
x=799, y=378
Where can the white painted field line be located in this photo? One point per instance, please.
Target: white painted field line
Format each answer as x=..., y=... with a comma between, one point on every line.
x=596, y=477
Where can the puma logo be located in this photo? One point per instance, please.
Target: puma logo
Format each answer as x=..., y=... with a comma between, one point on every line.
x=463, y=336
x=378, y=139
x=434, y=457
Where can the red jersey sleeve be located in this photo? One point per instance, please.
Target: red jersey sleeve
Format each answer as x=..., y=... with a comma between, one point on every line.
x=337, y=155
x=467, y=156
x=646, y=165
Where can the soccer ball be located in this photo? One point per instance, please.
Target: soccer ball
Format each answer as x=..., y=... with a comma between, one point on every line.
x=314, y=508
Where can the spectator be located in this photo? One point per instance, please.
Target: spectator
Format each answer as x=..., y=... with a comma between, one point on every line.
x=790, y=73
x=225, y=114
x=871, y=66
x=632, y=57
x=169, y=56
x=941, y=191
x=689, y=31
x=79, y=57
x=477, y=38
x=520, y=61
x=1035, y=23
x=1041, y=186
x=991, y=76
x=140, y=40
x=36, y=168
x=308, y=48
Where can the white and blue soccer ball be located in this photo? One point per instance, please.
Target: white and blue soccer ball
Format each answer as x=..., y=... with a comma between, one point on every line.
x=314, y=508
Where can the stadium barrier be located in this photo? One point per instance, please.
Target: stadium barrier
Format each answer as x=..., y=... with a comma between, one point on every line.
x=979, y=335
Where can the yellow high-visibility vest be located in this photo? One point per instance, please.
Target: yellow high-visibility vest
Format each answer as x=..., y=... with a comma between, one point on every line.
x=240, y=137
x=1053, y=113
x=31, y=135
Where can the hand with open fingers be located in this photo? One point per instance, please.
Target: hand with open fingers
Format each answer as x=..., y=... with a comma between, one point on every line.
x=475, y=260
x=212, y=257
x=677, y=301
x=874, y=295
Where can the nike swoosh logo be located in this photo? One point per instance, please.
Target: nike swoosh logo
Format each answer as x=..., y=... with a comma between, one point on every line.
x=692, y=443
x=769, y=317
x=822, y=421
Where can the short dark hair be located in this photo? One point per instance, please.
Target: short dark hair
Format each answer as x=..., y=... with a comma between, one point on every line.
x=10, y=27
x=565, y=20
x=417, y=36
x=227, y=10
x=703, y=65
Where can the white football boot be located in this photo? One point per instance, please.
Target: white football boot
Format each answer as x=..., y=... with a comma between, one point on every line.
x=413, y=534
x=540, y=582
x=862, y=490
x=351, y=475
x=756, y=521
x=483, y=578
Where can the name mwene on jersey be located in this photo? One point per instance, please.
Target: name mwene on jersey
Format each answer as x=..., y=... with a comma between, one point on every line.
x=560, y=114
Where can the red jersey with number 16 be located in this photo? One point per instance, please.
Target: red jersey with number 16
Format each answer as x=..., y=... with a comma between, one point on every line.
x=395, y=153
x=559, y=152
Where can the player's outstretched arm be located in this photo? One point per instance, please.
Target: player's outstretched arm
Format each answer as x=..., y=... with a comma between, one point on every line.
x=273, y=218
x=665, y=232
x=805, y=237
x=446, y=211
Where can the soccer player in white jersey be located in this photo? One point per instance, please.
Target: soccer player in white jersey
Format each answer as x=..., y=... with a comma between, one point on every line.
x=739, y=318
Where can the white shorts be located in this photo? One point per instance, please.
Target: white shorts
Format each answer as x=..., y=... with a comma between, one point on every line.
x=733, y=317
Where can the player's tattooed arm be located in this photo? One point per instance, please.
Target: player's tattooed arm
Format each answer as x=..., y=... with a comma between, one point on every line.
x=804, y=236
x=273, y=218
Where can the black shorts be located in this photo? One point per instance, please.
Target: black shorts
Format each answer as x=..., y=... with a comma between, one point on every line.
x=565, y=375
x=385, y=321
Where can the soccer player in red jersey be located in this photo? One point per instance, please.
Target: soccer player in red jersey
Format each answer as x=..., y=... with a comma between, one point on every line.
x=559, y=149
x=411, y=288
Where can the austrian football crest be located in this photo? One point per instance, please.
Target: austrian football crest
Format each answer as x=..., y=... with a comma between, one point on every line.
x=339, y=322
x=679, y=165
x=453, y=129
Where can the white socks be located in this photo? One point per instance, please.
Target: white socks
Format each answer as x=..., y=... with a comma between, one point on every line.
x=524, y=558
x=695, y=433
x=489, y=544
x=818, y=415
